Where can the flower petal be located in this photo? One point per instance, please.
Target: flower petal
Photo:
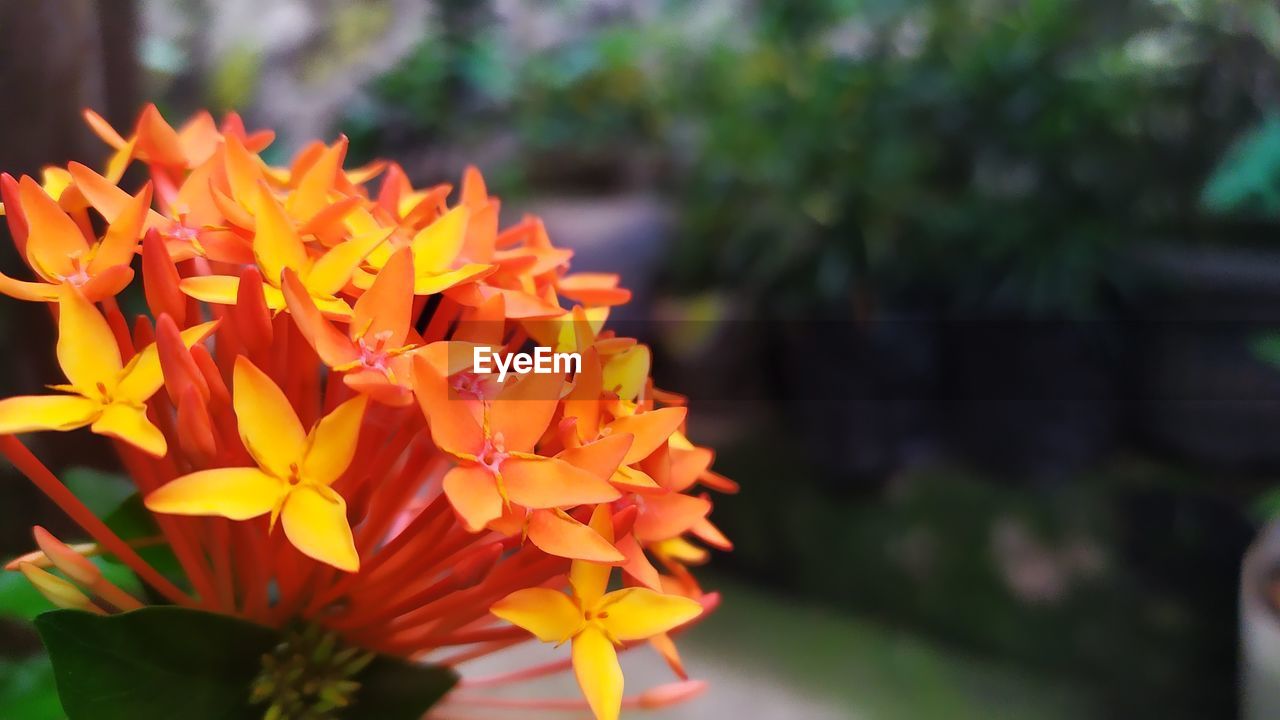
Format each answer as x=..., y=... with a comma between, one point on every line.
x=474, y=193
x=29, y=291
x=375, y=385
x=482, y=232
x=583, y=402
x=555, y=533
x=629, y=479
x=29, y=413
x=315, y=521
x=120, y=243
x=650, y=428
x=437, y=245
x=236, y=493
x=107, y=283
x=275, y=241
x=387, y=305
x=519, y=305
x=269, y=427
x=312, y=192
x=217, y=289
x=432, y=283
x=244, y=172
x=199, y=137
x=638, y=613
x=332, y=345
x=548, y=614
x=523, y=409
x=103, y=129
x=667, y=515
x=473, y=493
x=158, y=142
x=453, y=426
x=551, y=482
x=87, y=349
x=625, y=373
x=600, y=458
x=53, y=238
x=142, y=377
x=637, y=564
x=595, y=664
x=483, y=325
x=105, y=197
x=667, y=649
x=332, y=444
x=130, y=424
x=330, y=273
x=589, y=580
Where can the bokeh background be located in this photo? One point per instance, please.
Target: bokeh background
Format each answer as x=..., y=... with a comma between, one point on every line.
x=979, y=300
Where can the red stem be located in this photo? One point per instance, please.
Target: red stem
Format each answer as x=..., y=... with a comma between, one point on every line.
x=30, y=465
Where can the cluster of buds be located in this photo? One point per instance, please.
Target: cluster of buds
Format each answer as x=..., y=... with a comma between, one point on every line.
x=301, y=413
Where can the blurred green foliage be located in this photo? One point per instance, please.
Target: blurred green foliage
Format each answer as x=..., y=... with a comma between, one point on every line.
x=27, y=690
x=589, y=99
x=1004, y=154
x=1248, y=179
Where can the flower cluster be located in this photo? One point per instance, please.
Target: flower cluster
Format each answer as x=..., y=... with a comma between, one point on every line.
x=300, y=412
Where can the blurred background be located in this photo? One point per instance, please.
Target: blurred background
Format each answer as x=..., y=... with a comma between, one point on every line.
x=979, y=300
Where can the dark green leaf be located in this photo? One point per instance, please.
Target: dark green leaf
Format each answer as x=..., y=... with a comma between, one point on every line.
x=157, y=663
x=100, y=491
x=392, y=689
x=131, y=520
x=164, y=662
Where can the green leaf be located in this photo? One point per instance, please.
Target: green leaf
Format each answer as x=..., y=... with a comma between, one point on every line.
x=1246, y=179
x=27, y=690
x=18, y=599
x=100, y=491
x=1266, y=507
x=154, y=664
x=392, y=689
x=131, y=520
x=1266, y=347
x=158, y=663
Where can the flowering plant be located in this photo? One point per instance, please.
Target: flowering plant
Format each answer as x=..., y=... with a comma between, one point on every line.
x=336, y=510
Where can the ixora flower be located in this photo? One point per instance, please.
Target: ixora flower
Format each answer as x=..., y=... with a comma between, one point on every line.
x=338, y=509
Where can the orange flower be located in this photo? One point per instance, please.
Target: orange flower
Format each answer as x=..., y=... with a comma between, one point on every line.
x=59, y=253
x=371, y=353
x=497, y=465
x=315, y=343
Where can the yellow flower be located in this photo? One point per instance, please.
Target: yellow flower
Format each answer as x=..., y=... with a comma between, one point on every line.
x=595, y=621
x=101, y=392
x=294, y=474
